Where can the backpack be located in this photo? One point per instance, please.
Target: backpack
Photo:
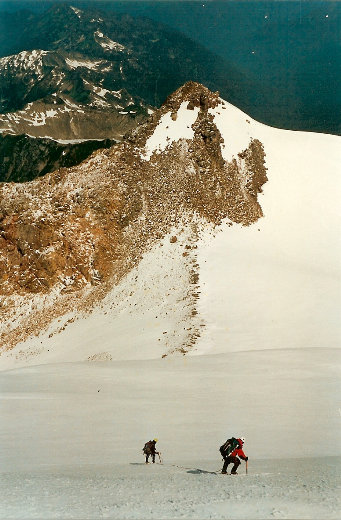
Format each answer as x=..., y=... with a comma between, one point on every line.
x=147, y=447
x=228, y=447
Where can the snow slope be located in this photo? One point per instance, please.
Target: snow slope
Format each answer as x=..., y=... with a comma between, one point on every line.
x=277, y=284
x=101, y=411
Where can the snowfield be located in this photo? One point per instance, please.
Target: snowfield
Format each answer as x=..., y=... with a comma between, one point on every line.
x=294, y=488
x=72, y=437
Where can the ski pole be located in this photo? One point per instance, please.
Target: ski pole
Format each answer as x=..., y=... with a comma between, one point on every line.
x=246, y=466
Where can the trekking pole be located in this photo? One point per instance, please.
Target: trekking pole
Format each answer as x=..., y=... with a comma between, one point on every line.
x=246, y=466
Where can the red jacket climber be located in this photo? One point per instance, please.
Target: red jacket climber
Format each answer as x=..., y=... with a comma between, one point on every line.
x=233, y=457
x=238, y=452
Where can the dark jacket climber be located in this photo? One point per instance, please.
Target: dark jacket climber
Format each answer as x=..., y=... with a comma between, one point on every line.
x=149, y=450
x=233, y=457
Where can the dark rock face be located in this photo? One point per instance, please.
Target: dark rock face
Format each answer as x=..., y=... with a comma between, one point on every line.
x=23, y=158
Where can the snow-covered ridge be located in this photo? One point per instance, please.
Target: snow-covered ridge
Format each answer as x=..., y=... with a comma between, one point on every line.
x=54, y=118
x=173, y=188
x=31, y=117
x=235, y=127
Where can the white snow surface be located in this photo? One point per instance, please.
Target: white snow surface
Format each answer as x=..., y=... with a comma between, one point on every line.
x=281, y=283
x=266, y=366
x=295, y=489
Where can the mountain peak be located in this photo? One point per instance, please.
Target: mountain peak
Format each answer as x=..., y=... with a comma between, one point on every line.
x=124, y=238
x=87, y=227
x=196, y=94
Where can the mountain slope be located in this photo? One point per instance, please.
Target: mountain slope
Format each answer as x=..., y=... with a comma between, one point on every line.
x=173, y=249
x=158, y=247
x=64, y=96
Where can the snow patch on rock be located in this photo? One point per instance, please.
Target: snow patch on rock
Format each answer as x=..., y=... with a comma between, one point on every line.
x=25, y=60
x=92, y=65
x=107, y=44
x=171, y=129
x=77, y=11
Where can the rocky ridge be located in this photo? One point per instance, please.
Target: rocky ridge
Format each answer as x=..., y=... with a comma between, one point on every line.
x=67, y=238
